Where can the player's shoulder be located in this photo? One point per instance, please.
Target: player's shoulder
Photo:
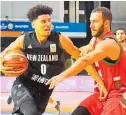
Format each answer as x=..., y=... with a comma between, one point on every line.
x=24, y=36
x=110, y=38
x=107, y=44
x=19, y=41
x=20, y=37
x=28, y=34
x=108, y=41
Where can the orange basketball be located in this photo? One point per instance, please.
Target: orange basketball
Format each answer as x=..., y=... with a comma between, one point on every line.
x=17, y=60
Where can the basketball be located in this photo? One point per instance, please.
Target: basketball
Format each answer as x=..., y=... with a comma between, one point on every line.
x=17, y=60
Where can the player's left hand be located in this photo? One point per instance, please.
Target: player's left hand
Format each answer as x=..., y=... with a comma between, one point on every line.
x=54, y=81
x=103, y=93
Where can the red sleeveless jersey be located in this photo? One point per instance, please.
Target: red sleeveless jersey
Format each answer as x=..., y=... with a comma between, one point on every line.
x=114, y=75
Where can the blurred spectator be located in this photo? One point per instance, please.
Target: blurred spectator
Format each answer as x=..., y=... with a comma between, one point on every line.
x=121, y=37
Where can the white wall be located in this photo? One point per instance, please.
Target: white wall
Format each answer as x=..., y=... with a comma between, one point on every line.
x=118, y=9
x=17, y=10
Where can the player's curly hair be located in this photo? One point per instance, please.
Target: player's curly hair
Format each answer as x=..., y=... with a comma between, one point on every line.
x=37, y=10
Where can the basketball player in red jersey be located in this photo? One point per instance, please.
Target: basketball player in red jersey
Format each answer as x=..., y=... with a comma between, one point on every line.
x=106, y=53
x=44, y=50
x=121, y=37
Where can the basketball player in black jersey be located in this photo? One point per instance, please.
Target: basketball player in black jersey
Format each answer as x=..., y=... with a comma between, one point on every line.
x=44, y=50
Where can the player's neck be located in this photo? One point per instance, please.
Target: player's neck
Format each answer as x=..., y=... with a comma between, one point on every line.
x=99, y=38
x=123, y=44
x=41, y=38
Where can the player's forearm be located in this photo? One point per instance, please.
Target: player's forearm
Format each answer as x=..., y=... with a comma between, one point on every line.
x=84, y=47
x=92, y=71
x=94, y=74
x=76, y=68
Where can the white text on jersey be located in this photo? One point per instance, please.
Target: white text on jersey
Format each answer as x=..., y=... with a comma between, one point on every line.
x=42, y=58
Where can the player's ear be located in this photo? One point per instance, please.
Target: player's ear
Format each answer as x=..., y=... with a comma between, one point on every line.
x=33, y=24
x=107, y=23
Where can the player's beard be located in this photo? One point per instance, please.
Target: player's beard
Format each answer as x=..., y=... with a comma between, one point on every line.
x=100, y=31
x=122, y=40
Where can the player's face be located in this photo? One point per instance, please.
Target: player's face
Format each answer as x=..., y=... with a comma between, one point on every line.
x=42, y=25
x=121, y=35
x=96, y=24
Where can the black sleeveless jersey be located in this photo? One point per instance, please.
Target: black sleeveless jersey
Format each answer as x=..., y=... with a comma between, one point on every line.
x=45, y=60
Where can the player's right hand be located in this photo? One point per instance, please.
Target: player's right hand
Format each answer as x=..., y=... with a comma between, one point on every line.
x=6, y=70
x=54, y=81
x=103, y=93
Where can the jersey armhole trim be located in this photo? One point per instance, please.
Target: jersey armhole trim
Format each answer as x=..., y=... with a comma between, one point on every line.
x=116, y=61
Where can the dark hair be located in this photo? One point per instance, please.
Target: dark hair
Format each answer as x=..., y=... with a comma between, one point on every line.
x=37, y=10
x=106, y=13
x=122, y=29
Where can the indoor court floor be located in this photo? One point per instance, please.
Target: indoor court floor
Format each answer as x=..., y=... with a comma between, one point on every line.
x=68, y=102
